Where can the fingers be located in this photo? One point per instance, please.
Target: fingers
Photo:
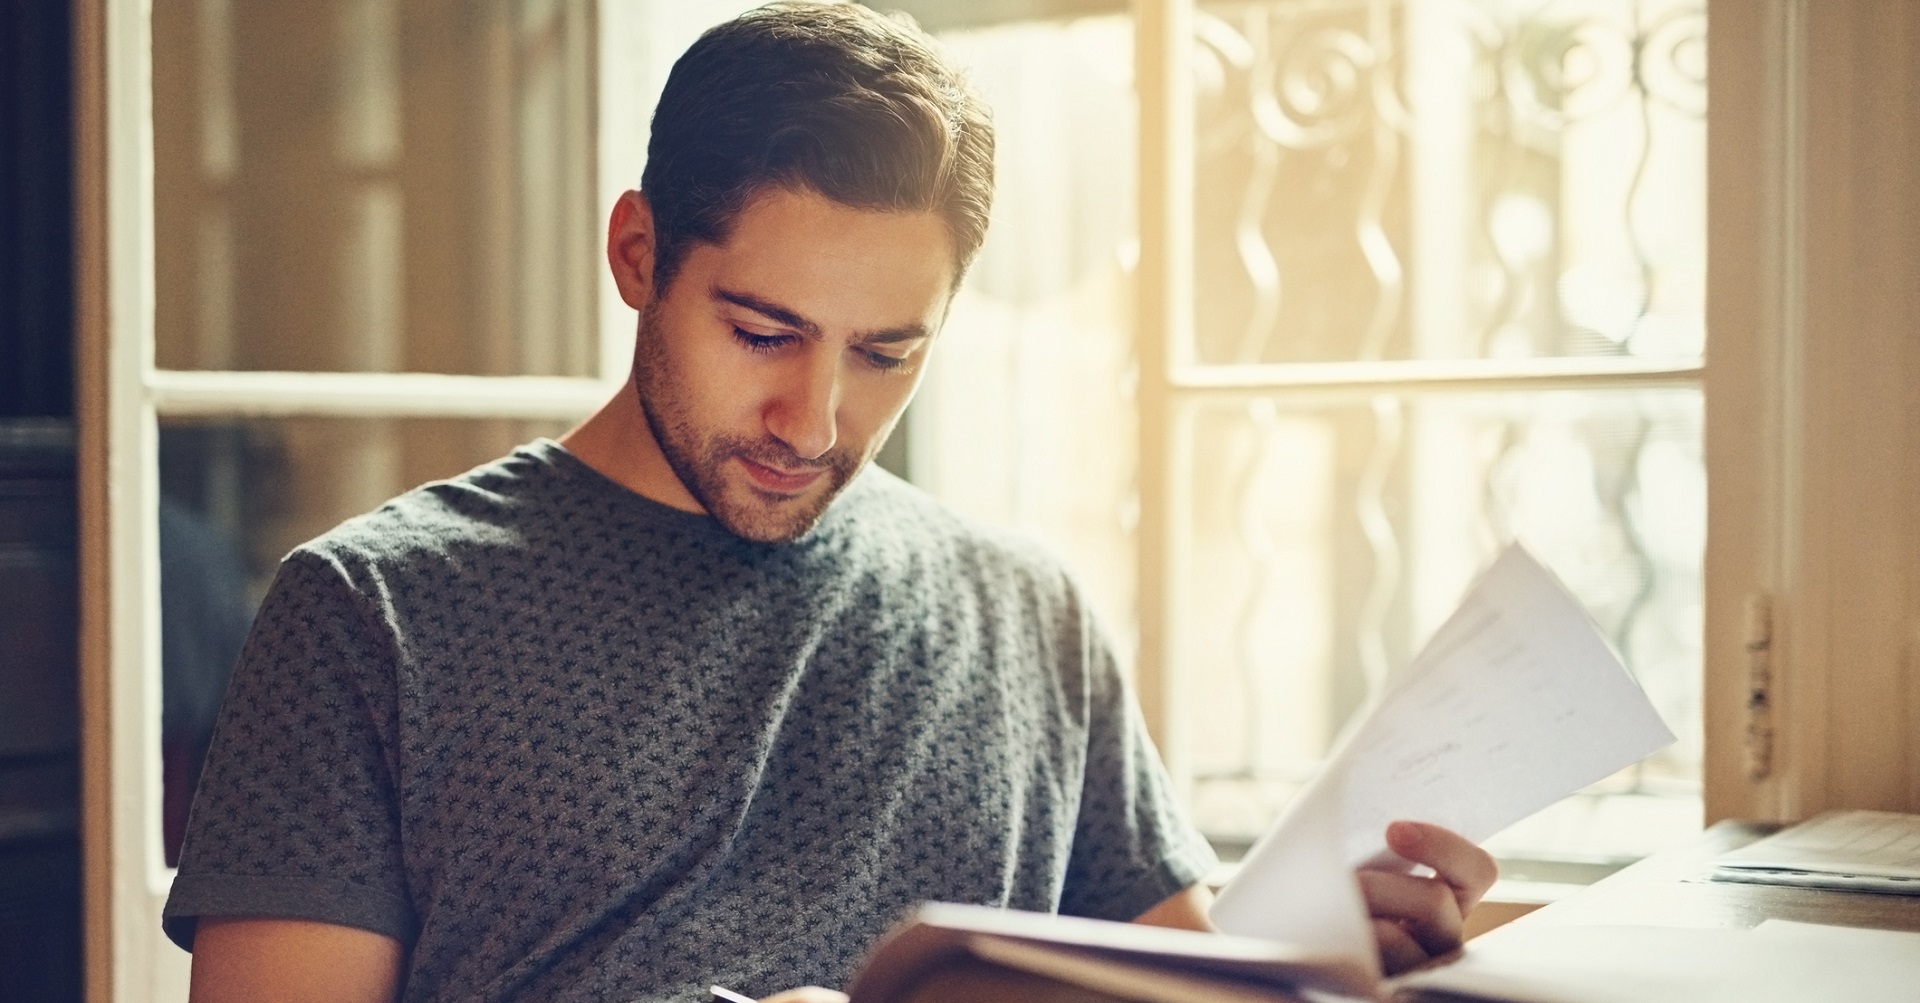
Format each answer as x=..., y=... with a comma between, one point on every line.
x=1466, y=868
x=1398, y=951
x=807, y=994
x=1417, y=918
x=1423, y=909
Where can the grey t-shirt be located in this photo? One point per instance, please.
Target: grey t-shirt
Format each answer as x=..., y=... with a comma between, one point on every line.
x=570, y=744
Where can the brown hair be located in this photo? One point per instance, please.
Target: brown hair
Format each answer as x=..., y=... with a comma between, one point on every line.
x=833, y=98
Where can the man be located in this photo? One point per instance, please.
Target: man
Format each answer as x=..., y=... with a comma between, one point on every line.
x=696, y=695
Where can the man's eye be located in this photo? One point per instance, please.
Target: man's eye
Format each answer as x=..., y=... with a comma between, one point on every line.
x=761, y=342
x=883, y=361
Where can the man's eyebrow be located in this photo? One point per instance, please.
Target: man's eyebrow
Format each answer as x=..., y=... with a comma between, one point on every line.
x=895, y=335
x=772, y=311
x=787, y=318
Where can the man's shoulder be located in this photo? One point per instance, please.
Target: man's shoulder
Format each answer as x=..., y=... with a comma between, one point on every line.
x=900, y=518
x=498, y=504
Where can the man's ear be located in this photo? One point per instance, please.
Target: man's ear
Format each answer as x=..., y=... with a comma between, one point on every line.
x=630, y=249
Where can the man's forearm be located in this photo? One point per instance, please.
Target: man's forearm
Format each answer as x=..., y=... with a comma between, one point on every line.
x=1183, y=910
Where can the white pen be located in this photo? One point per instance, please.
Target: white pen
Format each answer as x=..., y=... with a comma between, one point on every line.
x=729, y=996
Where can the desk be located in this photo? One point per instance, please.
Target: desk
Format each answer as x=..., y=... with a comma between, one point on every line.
x=1671, y=888
x=1660, y=930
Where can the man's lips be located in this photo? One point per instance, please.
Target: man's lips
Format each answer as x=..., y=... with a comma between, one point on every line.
x=779, y=481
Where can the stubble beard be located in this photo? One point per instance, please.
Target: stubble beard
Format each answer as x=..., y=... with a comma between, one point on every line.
x=700, y=461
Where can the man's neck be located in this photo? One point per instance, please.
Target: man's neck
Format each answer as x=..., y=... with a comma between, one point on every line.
x=617, y=442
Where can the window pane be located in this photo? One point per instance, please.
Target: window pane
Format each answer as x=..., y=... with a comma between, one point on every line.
x=236, y=495
x=375, y=186
x=1513, y=208
x=1330, y=540
x=1389, y=179
x=1026, y=416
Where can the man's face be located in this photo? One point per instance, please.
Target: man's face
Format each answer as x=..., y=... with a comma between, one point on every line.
x=772, y=368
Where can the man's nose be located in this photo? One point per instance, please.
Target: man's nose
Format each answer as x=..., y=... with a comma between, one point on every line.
x=802, y=413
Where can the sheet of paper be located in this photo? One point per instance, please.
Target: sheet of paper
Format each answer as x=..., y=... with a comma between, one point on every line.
x=1879, y=843
x=1809, y=961
x=1775, y=962
x=1516, y=702
x=1598, y=964
x=1304, y=893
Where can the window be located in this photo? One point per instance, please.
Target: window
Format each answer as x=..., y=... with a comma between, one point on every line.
x=1435, y=278
x=347, y=193
x=375, y=261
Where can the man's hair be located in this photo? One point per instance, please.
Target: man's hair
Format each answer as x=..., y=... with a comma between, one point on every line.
x=828, y=97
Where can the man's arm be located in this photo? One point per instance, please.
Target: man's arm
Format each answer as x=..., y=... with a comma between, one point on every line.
x=248, y=960
x=1414, y=918
x=1183, y=910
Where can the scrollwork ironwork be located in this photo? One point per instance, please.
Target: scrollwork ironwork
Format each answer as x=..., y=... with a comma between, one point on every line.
x=1312, y=205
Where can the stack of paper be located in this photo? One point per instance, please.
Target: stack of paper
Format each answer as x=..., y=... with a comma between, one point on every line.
x=1515, y=703
x=1868, y=851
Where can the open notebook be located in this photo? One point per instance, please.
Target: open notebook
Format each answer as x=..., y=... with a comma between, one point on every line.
x=957, y=952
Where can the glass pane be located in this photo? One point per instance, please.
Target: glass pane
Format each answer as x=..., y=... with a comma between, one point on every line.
x=1393, y=179
x=1026, y=417
x=236, y=495
x=1330, y=540
x=375, y=186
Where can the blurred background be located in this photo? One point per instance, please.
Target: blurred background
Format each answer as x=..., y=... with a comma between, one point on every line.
x=1428, y=238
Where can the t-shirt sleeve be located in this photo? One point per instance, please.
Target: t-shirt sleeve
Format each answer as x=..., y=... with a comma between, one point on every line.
x=1133, y=846
x=296, y=815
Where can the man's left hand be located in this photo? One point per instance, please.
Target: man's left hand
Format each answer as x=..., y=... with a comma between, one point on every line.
x=1416, y=919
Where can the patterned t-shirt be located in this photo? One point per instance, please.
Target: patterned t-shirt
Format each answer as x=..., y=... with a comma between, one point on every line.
x=567, y=743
